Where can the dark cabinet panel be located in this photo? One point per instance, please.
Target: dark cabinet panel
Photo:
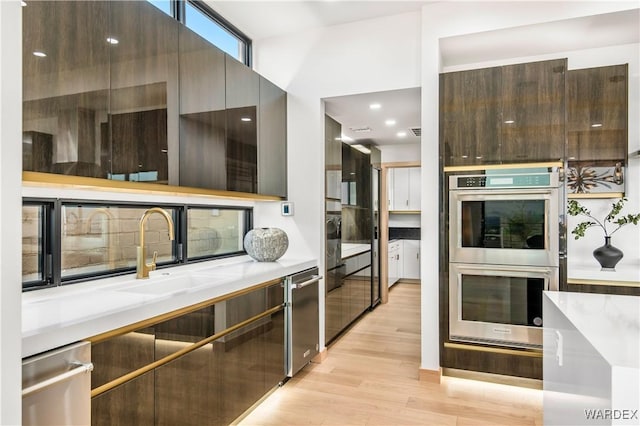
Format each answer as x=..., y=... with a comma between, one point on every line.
x=272, y=140
x=129, y=404
x=37, y=151
x=597, y=114
x=333, y=158
x=242, y=98
x=143, y=91
x=139, y=146
x=212, y=384
x=533, y=112
x=65, y=65
x=509, y=114
x=202, y=113
x=348, y=295
x=470, y=117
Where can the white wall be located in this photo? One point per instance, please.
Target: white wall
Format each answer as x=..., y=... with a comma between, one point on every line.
x=10, y=208
x=385, y=54
x=400, y=153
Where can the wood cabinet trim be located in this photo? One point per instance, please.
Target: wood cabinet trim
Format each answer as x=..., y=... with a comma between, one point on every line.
x=597, y=195
x=533, y=353
x=80, y=182
x=501, y=166
x=576, y=281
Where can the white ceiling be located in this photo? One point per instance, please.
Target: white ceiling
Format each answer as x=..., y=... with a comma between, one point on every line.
x=263, y=19
x=588, y=32
x=353, y=111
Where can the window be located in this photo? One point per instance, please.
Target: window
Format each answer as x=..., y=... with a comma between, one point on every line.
x=36, y=259
x=164, y=5
x=211, y=27
x=204, y=21
x=101, y=238
x=95, y=239
x=214, y=231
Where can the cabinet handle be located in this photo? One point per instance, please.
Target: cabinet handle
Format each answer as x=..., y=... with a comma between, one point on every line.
x=314, y=279
x=81, y=368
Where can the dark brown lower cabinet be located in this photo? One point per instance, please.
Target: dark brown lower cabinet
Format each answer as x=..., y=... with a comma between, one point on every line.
x=129, y=404
x=212, y=384
x=350, y=296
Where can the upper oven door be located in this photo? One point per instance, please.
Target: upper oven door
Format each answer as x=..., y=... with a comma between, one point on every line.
x=504, y=226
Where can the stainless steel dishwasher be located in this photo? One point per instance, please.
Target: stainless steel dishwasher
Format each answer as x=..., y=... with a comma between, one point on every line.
x=303, y=335
x=56, y=386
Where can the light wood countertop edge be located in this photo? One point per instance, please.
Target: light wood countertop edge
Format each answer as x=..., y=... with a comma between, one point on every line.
x=37, y=179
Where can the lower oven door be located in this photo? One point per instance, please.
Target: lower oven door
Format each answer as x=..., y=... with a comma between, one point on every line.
x=497, y=304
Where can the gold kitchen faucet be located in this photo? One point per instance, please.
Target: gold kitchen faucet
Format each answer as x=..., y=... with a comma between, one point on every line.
x=142, y=267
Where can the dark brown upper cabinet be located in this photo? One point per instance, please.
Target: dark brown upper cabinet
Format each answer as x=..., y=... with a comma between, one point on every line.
x=509, y=114
x=470, y=117
x=65, y=65
x=202, y=113
x=533, y=112
x=122, y=91
x=143, y=92
x=597, y=115
x=272, y=140
x=241, y=149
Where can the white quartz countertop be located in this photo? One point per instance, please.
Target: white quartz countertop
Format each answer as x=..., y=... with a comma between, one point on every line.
x=58, y=316
x=351, y=249
x=626, y=271
x=611, y=323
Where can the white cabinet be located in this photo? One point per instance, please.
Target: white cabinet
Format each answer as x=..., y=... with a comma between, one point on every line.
x=394, y=262
x=404, y=189
x=410, y=259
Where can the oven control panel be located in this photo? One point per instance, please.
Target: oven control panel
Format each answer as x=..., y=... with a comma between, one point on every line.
x=504, y=181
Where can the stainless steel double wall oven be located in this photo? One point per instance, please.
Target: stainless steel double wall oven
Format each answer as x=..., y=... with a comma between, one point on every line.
x=503, y=253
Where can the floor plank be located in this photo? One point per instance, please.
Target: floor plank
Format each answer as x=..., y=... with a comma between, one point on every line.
x=370, y=377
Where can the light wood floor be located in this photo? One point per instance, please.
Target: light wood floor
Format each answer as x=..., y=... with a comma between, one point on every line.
x=371, y=378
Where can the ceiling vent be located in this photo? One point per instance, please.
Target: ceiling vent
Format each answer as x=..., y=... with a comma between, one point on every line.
x=363, y=129
x=417, y=131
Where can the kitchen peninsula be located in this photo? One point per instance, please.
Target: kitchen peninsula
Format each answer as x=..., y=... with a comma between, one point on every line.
x=591, y=358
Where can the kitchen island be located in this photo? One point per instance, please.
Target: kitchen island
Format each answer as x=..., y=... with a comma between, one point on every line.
x=591, y=358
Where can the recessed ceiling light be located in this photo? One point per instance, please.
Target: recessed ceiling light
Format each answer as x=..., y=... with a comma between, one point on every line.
x=390, y=122
x=375, y=106
x=346, y=138
x=39, y=54
x=478, y=157
x=465, y=156
x=509, y=122
x=245, y=119
x=596, y=125
x=112, y=40
x=401, y=134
